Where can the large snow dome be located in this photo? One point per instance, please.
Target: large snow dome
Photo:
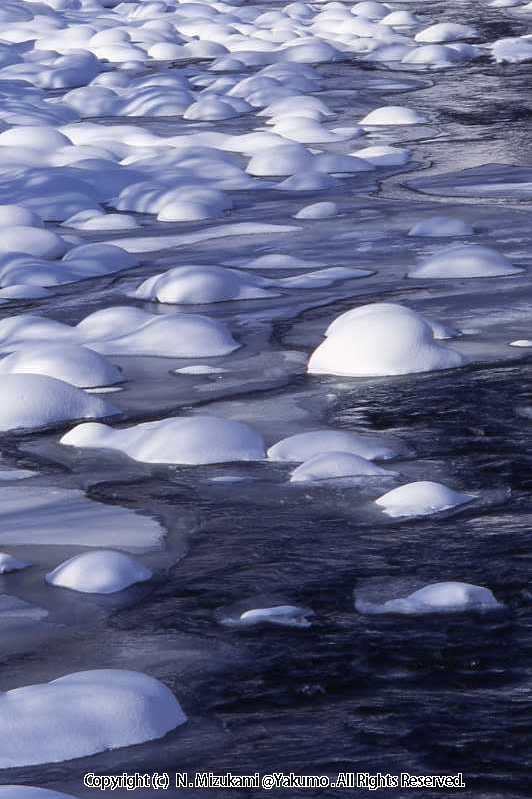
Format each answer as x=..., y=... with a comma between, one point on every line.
x=84, y=713
x=466, y=260
x=384, y=339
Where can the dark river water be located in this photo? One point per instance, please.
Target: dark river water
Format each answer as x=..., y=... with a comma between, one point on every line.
x=435, y=694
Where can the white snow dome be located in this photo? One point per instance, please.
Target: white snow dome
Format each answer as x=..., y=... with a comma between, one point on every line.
x=190, y=440
x=448, y=597
x=200, y=284
x=84, y=713
x=439, y=330
x=18, y=216
x=383, y=155
x=394, y=115
x=72, y=363
x=34, y=401
x=466, y=260
x=445, y=32
x=302, y=447
x=283, y=615
x=421, y=499
x=332, y=465
x=99, y=572
x=441, y=226
x=323, y=210
x=8, y=563
x=379, y=341
x=280, y=160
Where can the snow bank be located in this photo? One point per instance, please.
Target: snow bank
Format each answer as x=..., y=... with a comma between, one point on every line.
x=421, y=499
x=384, y=339
x=35, y=401
x=448, y=597
x=331, y=465
x=84, y=713
x=466, y=260
x=192, y=440
x=99, y=572
x=301, y=447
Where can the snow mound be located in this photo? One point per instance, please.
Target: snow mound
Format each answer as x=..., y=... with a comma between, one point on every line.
x=191, y=441
x=439, y=330
x=99, y=572
x=394, y=115
x=378, y=340
x=421, y=499
x=280, y=161
x=31, y=241
x=301, y=447
x=383, y=155
x=512, y=50
x=283, y=615
x=71, y=363
x=522, y=342
x=464, y=261
x=10, y=564
x=445, y=32
x=331, y=465
x=36, y=401
x=323, y=210
x=441, y=226
x=200, y=284
x=448, y=597
x=84, y=713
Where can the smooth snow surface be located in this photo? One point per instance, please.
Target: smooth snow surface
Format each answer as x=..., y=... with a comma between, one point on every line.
x=98, y=572
x=194, y=440
x=84, y=713
x=448, y=597
x=420, y=499
x=384, y=339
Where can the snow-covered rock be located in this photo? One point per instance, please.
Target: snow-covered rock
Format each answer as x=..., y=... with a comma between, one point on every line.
x=283, y=615
x=301, y=447
x=71, y=363
x=200, y=284
x=421, y=499
x=384, y=155
x=323, y=210
x=394, y=115
x=332, y=465
x=381, y=339
x=447, y=597
x=445, y=32
x=84, y=713
x=464, y=261
x=441, y=226
x=8, y=563
x=35, y=401
x=190, y=440
x=99, y=572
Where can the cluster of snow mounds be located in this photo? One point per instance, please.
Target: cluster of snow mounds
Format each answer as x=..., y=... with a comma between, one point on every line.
x=31, y=401
x=421, y=499
x=99, y=572
x=381, y=339
x=82, y=714
x=302, y=447
x=189, y=441
x=448, y=597
x=466, y=260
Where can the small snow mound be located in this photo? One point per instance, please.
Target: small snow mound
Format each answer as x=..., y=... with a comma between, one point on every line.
x=35, y=401
x=8, y=563
x=384, y=155
x=323, y=210
x=441, y=226
x=82, y=714
x=522, y=342
x=465, y=261
x=421, y=499
x=191, y=441
x=200, y=284
x=283, y=615
x=380, y=340
x=301, y=447
x=447, y=597
x=72, y=363
x=99, y=572
x=394, y=115
x=332, y=465
x=445, y=32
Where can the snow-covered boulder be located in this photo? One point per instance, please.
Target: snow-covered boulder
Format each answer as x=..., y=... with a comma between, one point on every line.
x=35, y=401
x=384, y=155
x=441, y=226
x=200, y=284
x=394, y=115
x=464, y=261
x=333, y=465
x=301, y=447
x=384, y=339
x=448, y=597
x=99, y=572
x=72, y=363
x=421, y=499
x=84, y=713
x=8, y=563
x=282, y=615
x=445, y=32
x=512, y=50
x=190, y=440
